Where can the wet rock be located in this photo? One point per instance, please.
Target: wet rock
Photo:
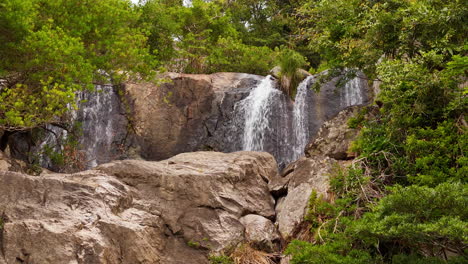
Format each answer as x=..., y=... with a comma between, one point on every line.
x=185, y=113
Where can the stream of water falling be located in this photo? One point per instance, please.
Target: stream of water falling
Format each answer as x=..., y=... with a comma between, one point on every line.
x=270, y=125
x=257, y=108
x=352, y=94
x=94, y=114
x=300, y=119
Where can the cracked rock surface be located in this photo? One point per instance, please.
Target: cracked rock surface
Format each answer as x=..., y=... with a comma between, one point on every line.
x=172, y=211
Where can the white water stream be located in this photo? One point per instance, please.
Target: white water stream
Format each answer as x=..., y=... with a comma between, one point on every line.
x=257, y=108
x=96, y=135
x=300, y=120
x=288, y=134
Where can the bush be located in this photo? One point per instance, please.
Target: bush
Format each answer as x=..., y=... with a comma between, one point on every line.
x=290, y=62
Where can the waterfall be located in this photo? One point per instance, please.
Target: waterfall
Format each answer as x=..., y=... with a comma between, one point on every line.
x=95, y=128
x=300, y=119
x=352, y=94
x=272, y=123
x=94, y=116
x=257, y=108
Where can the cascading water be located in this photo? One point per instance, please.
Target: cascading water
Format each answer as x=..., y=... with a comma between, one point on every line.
x=300, y=119
x=96, y=125
x=352, y=94
x=271, y=126
x=257, y=108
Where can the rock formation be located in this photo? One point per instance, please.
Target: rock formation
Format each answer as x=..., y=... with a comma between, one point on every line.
x=185, y=113
x=172, y=211
x=324, y=154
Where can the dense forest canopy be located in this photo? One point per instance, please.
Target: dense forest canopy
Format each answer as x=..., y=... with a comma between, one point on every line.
x=403, y=201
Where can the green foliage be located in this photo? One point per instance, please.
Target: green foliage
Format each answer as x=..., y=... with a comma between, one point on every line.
x=213, y=36
x=357, y=33
x=416, y=219
x=416, y=137
x=339, y=251
x=358, y=120
x=318, y=210
x=419, y=219
x=222, y=259
x=290, y=62
x=437, y=155
x=418, y=259
x=51, y=49
x=232, y=55
x=193, y=244
x=65, y=156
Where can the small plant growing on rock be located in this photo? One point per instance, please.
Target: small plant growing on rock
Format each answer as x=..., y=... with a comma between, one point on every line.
x=221, y=259
x=193, y=244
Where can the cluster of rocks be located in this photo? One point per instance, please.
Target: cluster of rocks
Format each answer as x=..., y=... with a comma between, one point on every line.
x=178, y=210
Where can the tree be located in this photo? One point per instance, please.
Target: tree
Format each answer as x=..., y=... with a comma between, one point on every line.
x=51, y=49
x=416, y=137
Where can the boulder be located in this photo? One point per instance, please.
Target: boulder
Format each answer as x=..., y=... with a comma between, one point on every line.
x=260, y=232
x=133, y=211
x=9, y=164
x=335, y=136
x=305, y=176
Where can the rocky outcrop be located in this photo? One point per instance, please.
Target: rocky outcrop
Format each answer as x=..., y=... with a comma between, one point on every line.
x=302, y=177
x=326, y=153
x=9, y=164
x=187, y=112
x=133, y=211
x=184, y=113
x=194, y=112
x=335, y=136
x=261, y=233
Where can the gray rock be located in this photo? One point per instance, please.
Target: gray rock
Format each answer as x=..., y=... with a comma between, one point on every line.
x=261, y=232
x=133, y=211
x=307, y=175
x=335, y=136
x=185, y=113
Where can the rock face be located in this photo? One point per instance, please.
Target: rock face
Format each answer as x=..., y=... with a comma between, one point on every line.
x=335, y=136
x=172, y=211
x=305, y=176
x=204, y=112
x=190, y=112
x=324, y=154
x=185, y=113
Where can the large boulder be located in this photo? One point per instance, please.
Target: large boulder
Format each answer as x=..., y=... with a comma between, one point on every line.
x=133, y=211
